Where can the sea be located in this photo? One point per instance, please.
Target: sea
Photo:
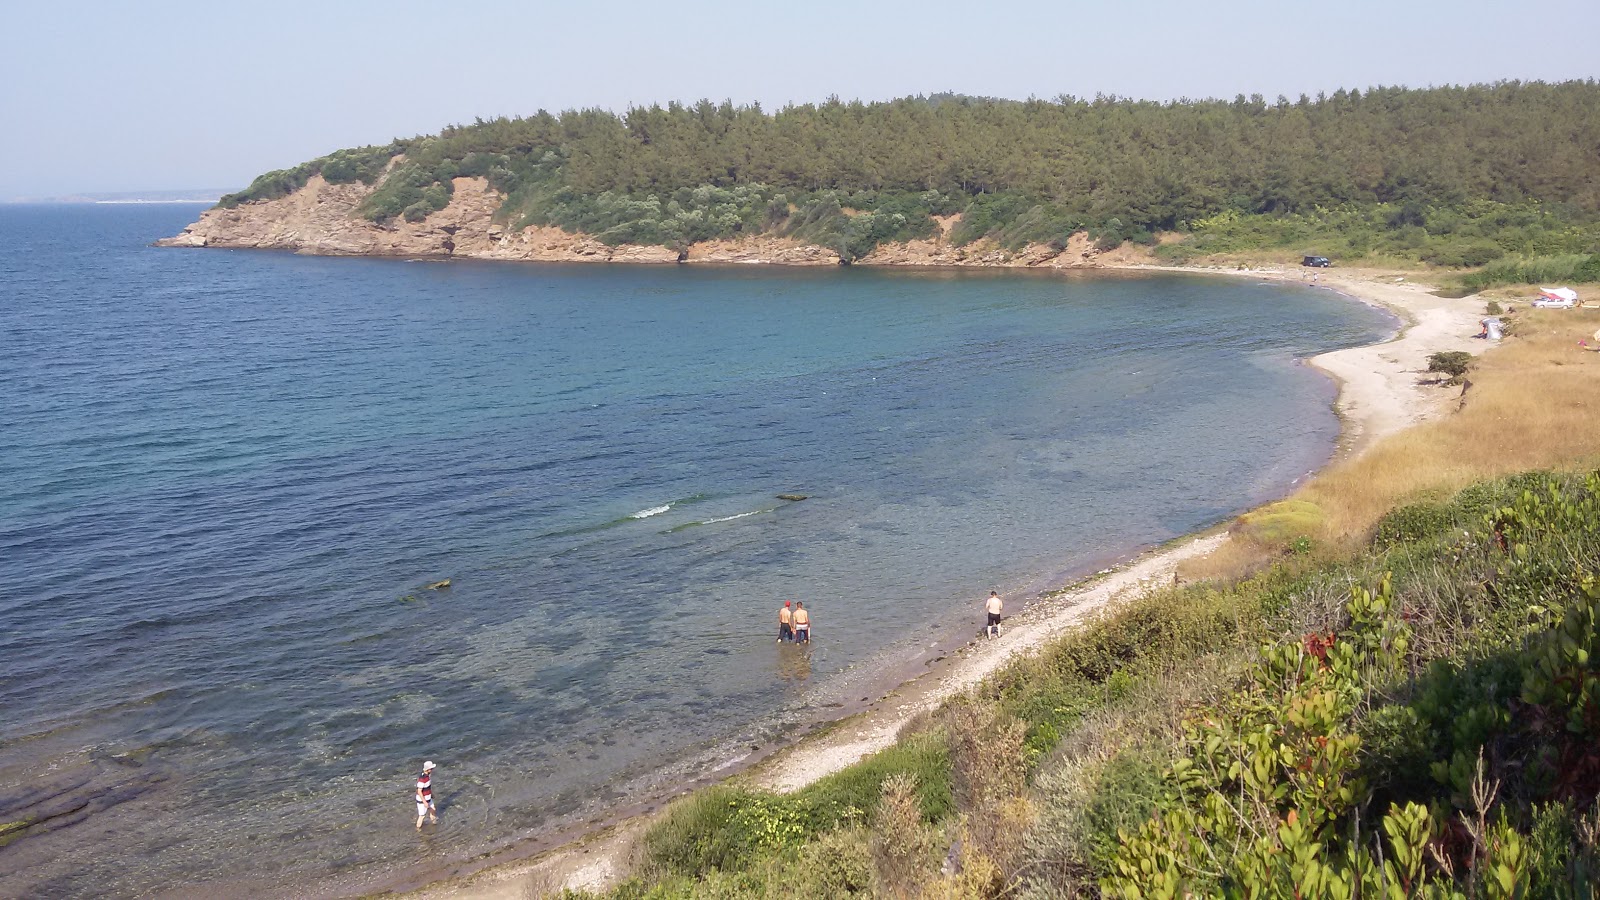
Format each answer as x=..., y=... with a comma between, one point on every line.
x=228, y=480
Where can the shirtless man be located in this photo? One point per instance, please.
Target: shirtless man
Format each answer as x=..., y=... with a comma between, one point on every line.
x=993, y=607
x=785, y=624
x=802, y=624
x=425, y=795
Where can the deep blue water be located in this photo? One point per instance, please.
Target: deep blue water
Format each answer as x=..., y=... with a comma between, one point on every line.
x=225, y=478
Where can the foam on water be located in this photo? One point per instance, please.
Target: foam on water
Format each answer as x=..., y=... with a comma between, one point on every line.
x=753, y=512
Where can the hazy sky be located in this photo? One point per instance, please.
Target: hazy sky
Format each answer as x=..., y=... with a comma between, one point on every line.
x=153, y=95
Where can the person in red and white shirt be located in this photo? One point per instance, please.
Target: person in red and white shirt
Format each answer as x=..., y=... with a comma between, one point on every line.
x=425, y=795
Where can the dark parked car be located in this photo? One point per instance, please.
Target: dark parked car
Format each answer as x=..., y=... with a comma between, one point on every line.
x=1320, y=262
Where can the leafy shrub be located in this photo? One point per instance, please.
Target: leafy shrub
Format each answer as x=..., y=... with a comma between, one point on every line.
x=1280, y=777
x=1534, y=270
x=729, y=829
x=1453, y=363
x=822, y=220
x=399, y=192
x=837, y=864
x=1413, y=523
x=1466, y=254
x=988, y=213
x=272, y=185
x=363, y=164
x=1128, y=790
x=1108, y=240
x=435, y=197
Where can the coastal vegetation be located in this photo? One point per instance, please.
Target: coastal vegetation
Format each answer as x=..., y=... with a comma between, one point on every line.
x=1456, y=177
x=1397, y=694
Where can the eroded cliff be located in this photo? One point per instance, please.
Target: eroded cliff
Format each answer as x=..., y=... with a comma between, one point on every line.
x=322, y=219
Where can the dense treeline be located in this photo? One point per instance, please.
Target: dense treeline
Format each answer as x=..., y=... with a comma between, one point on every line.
x=1020, y=171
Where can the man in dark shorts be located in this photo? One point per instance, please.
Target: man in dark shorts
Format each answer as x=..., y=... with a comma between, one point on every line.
x=785, y=623
x=993, y=607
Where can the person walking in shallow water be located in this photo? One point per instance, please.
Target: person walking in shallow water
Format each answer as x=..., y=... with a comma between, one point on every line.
x=785, y=623
x=993, y=606
x=802, y=623
x=425, y=795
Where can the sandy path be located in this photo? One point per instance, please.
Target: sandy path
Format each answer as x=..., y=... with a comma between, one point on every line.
x=1379, y=395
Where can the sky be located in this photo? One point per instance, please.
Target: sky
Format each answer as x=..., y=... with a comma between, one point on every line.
x=126, y=96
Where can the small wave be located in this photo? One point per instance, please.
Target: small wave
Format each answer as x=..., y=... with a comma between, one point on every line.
x=630, y=517
x=731, y=518
x=754, y=512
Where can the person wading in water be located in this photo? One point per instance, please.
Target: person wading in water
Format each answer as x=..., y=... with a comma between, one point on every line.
x=425, y=795
x=802, y=624
x=785, y=623
x=993, y=607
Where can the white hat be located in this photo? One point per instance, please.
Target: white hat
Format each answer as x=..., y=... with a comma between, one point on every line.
x=427, y=765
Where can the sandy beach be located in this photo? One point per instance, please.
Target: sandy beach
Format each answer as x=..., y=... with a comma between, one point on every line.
x=1381, y=391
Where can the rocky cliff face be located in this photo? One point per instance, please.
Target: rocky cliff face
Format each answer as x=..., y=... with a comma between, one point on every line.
x=321, y=219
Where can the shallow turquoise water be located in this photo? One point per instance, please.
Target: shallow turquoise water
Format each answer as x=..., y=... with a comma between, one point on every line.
x=225, y=478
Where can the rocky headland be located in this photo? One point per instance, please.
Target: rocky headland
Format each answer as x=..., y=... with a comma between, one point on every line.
x=322, y=219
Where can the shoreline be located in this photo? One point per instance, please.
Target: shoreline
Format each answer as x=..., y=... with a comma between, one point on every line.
x=1378, y=394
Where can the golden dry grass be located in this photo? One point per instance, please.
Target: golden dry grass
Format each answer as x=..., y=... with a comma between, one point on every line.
x=1534, y=404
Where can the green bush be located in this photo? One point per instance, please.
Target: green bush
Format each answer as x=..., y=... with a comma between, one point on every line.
x=1413, y=523
x=1130, y=787
x=729, y=829
x=1453, y=363
x=1534, y=270
x=1336, y=731
x=363, y=164
x=988, y=213
x=272, y=185
x=434, y=197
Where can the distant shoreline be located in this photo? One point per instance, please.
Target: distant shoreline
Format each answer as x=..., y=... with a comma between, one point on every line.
x=196, y=198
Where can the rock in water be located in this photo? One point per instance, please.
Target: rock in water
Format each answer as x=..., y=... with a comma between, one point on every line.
x=791, y=496
x=437, y=585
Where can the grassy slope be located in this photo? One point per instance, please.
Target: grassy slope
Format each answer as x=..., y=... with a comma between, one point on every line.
x=1046, y=777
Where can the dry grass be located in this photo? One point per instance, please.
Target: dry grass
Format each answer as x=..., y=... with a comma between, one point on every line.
x=1534, y=404
x=903, y=847
x=1236, y=557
